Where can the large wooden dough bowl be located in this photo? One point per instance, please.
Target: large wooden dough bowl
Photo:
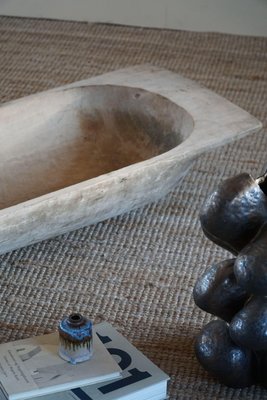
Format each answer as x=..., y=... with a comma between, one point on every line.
x=91, y=150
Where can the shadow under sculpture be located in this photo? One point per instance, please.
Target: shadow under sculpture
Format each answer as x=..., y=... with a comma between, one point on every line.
x=233, y=348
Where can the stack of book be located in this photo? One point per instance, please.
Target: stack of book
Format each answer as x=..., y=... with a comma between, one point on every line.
x=32, y=369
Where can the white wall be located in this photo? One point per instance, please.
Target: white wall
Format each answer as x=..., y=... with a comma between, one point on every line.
x=232, y=16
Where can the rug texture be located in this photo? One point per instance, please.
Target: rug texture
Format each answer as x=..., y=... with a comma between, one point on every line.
x=136, y=271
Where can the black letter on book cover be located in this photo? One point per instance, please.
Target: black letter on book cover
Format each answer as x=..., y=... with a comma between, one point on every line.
x=104, y=339
x=124, y=363
x=135, y=376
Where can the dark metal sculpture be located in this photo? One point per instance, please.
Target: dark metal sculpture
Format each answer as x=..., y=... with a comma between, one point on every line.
x=234, y=347
x=220, y=356
x=218, y=293
x=234, y=213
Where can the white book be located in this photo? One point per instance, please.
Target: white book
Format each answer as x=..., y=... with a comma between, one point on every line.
x=32, y=367
x=140, y=378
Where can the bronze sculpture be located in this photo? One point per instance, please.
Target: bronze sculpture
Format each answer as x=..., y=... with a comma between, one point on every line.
x=234, y=347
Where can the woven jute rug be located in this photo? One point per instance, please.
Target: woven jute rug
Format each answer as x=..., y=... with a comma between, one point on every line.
x=136, y=271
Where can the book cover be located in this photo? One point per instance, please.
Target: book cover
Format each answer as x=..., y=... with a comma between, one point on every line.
x=32, y=367
x=140, y=378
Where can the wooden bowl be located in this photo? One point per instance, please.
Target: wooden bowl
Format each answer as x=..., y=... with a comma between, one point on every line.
x=91, y=150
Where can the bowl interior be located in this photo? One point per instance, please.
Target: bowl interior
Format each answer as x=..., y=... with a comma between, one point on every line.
x=56, y=139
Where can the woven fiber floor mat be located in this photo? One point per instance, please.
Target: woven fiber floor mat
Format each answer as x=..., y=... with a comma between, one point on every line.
x=136, y=271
